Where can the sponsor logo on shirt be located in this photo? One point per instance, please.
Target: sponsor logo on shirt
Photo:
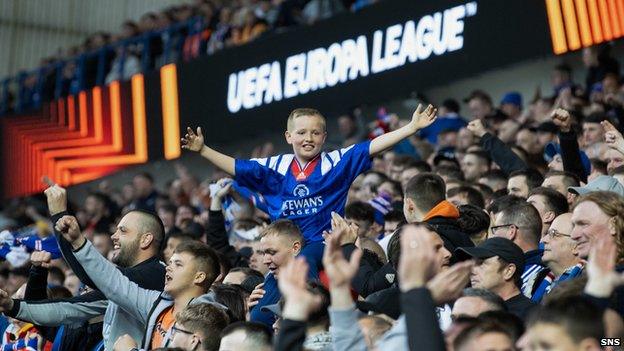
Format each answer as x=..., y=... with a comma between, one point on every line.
x=304, y=205
x=301, y=190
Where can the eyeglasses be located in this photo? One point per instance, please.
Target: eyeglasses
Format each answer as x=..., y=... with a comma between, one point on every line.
x=494, y=229
x=175, y=329
x=554, y=233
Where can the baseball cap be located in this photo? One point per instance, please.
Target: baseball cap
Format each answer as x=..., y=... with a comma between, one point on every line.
x=552, y=149
x=600, y=183
x=384, y=301
x=512, y=97
x=501, y=247
x=445, y=154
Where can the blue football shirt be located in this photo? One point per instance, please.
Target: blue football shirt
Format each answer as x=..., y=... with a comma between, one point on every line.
x=308, y=202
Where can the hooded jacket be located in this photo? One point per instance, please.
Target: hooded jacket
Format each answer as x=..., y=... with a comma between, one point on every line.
x=143, y=304
x=443, y=217
x=72, y=312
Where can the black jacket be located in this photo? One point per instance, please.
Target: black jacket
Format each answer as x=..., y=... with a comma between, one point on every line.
x=501, y=154
x=291, y=336
x=217, y=238
x=371, y=276
x=570, y=155
x=423, y=330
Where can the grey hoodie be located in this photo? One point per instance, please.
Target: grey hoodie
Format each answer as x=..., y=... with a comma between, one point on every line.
x=145, y=305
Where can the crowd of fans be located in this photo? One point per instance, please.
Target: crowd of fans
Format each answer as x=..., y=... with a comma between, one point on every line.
x=177, y=33
x=429, y=233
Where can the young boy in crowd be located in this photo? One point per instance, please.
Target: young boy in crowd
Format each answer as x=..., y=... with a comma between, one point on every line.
x=309, y=184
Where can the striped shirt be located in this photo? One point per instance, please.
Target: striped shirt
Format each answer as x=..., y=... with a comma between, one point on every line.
x=532, y=268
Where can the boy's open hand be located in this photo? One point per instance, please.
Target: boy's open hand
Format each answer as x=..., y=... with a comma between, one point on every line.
x=193, y=141
x=422, y=119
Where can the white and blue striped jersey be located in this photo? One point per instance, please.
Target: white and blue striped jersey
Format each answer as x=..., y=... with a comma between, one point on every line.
x=308, y=202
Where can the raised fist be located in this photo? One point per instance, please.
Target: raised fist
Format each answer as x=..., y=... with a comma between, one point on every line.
x=477, y=128
x=561, y=118
x=41, y=259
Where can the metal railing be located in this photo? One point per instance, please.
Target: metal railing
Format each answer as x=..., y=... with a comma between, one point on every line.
x=28, y=90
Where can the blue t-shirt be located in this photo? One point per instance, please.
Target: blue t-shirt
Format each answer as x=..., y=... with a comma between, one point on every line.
x=309, y=202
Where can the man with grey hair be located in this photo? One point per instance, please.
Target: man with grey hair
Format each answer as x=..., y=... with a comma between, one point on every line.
x=522, y=224
x=473, y=302
x=560, y=255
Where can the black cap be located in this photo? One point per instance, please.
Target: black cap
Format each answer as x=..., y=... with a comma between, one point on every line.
x=445, y=154
x=501, y=247
x=384, y=301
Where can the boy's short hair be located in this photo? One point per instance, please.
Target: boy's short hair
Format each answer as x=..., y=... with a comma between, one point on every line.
x=283, y=228
x=360, y=211
x=206, y=319
x=575, y=314
x=299, y=112
x=205, y=258
x=426, y=190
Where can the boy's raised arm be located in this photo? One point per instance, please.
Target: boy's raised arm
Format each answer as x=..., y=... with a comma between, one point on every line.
x=420, y=120
x=195, y=142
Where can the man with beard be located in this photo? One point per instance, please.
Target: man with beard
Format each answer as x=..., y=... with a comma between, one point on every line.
x=136, y=246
